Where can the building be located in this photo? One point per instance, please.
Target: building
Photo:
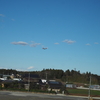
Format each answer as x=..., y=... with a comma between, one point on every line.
x=95, y=86
x=6, y=77
x=16, y=79
x=43, y=80
x=70, y=86
x=32, y=78
x=54, y=86
x=11, y=84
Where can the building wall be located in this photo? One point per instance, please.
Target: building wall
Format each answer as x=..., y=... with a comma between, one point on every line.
x=71, y=85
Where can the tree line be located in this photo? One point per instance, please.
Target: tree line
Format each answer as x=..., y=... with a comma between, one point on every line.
x=69, y=76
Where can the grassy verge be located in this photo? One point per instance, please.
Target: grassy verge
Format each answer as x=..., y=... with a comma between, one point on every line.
x=83, y=92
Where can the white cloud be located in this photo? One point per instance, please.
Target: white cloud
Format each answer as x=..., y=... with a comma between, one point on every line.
x=31, y=67
x=35, y=44
x=87, y=44
x=27, y=69
x=2, y=15
x=1, y=67
x=21, y=70
x=19, y=43
x=25, y=43
x=56, y=43
x=69, y=41
x=96, y=43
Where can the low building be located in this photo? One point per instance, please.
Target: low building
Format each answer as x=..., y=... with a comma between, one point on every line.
x=54, y=86
x=5, y=83
x=70, y=86
x=11, y=84
x=43, y=80
x=32, y=78
x=6, y=77
x=16, y=79
x=95, y=86
x=12, y=76
x=2, y=79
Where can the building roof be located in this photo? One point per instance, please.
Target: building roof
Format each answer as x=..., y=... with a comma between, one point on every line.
x=30, y=75
x=7, y=81
x=11, y=81
x=55, y=84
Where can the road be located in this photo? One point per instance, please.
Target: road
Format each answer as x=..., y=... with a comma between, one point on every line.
x=8, y=95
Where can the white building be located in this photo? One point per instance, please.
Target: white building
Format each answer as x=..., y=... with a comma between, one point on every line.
x=43, y=80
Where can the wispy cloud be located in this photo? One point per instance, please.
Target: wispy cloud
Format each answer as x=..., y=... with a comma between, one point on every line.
x=25, y=43
x=19, y=43
x=69, y=41
x=13, y=19
x=2, y=15
x=56, y=43
x=1, y=67
x=88, y=44
x=35, y=44
x=96, y=43
x=31, y=67
x=27, y=69
x=21, y=70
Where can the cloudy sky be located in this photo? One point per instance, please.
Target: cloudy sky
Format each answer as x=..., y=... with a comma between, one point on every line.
x=41, y=34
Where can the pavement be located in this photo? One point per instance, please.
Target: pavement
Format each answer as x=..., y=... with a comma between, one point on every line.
x=97, y=98
x=11, y=95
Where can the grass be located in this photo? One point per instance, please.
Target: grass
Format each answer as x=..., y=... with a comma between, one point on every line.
x=83, y=92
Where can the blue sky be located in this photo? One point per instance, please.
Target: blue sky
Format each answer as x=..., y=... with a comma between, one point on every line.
x=69, y=29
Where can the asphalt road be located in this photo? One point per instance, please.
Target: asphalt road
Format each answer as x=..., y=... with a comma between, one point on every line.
x=8, y=95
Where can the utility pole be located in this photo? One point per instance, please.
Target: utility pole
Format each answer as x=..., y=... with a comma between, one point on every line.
x=46, y=76
x=89, y=88
x=29, y=82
